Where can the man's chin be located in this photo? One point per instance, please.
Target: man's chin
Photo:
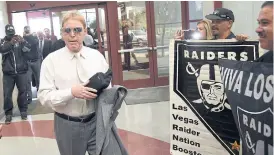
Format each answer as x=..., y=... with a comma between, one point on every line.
x=264, y=44
x=74, y=49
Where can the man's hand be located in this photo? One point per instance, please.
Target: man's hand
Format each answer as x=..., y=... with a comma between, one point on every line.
x=241, y=37
x=80, y=91
x=13, y=41
x=26, y=34
x=20, y=39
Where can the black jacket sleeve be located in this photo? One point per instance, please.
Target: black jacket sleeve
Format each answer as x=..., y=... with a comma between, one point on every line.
x=5, y=47
x=31, y=39
x=26, y=47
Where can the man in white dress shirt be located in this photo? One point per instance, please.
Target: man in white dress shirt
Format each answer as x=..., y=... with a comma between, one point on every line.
x=64, y=74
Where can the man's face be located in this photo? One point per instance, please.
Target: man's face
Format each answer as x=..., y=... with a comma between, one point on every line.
x=10, y=31
x=27, y=29
x=212, y=92
x=220, y=26
x=40, y=35
x=46, y=31
x=265, y=28
x=73, y=33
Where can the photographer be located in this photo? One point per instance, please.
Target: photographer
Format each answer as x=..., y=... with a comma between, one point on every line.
x=34, y=59
x=14, y=67
x=203, y=32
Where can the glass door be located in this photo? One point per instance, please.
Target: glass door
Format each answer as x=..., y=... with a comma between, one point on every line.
x=135, y=44
x=165, y=21
x=145, y=30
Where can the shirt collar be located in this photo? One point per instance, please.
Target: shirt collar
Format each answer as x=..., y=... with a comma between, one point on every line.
x=71, y=55
x=230, y=36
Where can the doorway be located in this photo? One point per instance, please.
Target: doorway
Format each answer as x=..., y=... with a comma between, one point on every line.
x=145, y=29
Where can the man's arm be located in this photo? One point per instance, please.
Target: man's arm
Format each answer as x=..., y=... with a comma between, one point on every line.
x=26, y=47
x=5, y=47
x=48, y=93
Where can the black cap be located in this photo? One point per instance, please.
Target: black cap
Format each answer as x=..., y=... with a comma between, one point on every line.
x=9, y=29
x=221, y=14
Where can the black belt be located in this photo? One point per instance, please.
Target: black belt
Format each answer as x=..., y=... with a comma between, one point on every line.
x=76, y=119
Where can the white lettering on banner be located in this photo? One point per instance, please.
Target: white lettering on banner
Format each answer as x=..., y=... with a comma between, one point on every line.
x=185, y=140
x=239, y=80
x=183, y=108
x=257, y=126
x=262, y=88
x=185, y=130
x=247, y=91
x=176, y=148
x=200, y=55
x=185, y=119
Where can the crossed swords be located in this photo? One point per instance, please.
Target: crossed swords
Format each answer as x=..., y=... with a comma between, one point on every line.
x=193, y=71
x=249, y=143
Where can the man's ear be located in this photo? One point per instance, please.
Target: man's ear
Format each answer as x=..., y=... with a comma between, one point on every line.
x=230, y=23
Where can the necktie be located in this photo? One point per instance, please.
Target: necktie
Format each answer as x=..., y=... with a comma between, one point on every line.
x=82, y=75
x=41, y=48
x=40, y=45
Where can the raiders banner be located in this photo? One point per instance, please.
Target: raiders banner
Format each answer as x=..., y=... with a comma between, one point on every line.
x=201, y=118
x=249, y=90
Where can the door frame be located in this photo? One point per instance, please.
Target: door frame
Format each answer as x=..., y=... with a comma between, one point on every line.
x=153, y=80
x=138, y=83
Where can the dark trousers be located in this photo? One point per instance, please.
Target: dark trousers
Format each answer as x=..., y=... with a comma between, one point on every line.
x=33, y=72
x=9, y=81
x=35, y=67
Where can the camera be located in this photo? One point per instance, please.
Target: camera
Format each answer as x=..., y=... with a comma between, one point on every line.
x=191, y=34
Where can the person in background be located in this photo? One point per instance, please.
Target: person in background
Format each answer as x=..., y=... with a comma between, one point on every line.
x=58, y=45
x=34, y=34
x=204, y=29
x=15, y=67
x=88, y=40
x=48, y=36
x=34, y=60
x=222, y=20
x=44, y=48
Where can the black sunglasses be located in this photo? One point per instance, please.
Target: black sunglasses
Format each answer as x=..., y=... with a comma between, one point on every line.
x=75, y=30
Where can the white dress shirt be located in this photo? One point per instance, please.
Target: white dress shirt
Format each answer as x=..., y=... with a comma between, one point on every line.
x=59, y=74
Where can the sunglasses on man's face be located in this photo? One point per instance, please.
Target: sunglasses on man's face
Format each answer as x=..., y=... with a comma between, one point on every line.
x=75, y=30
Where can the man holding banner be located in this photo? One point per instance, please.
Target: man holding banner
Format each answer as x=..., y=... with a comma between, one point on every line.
x=249, y=89
x=265, y=31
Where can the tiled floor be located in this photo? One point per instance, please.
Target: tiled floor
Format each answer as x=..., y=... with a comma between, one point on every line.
x=144, y=130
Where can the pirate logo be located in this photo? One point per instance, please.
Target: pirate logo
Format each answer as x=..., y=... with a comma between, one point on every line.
x=256, y=131
x=210, y=87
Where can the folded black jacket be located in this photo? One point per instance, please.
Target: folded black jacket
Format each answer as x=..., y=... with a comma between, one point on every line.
x=100, y=81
